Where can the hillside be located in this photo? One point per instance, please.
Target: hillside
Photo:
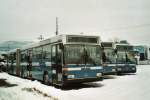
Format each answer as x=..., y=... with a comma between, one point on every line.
x=9, y=45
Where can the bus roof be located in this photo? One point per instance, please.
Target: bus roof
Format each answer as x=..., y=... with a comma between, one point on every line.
x=58, y=38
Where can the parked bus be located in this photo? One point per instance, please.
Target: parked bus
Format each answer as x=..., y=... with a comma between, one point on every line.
x=126, y=62
x=60, y=60
x=108, y=58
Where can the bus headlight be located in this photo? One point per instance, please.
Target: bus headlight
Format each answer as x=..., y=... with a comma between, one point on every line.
x=99, y=74
x=71, y=76
x=119, y=69
x=113, y=70
x=133, y=68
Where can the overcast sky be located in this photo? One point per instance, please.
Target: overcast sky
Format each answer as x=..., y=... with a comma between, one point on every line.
x=27, y=19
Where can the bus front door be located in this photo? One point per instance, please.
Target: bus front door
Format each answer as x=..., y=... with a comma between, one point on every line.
x=56, y=64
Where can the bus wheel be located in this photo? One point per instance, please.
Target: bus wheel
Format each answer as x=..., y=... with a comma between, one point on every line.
x=45, y=77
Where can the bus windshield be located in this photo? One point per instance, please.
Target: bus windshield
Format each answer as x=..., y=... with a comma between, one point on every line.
x=110, y=56
x=82, y=54
x=121, y=57
x=126, y=57
x=130, y=57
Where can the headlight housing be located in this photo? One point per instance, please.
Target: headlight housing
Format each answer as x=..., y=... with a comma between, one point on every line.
x=99, y=74
x=133, y=68
x=71, y=76
x=119, y=69
x=113, y=70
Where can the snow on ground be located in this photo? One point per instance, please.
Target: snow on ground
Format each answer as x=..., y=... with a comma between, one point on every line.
x=124, y=87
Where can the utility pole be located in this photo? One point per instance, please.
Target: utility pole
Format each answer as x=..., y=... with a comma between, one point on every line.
x=56, y=25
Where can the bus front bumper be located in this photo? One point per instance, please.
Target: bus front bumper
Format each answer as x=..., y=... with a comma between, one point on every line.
x=82, y=80
x=126, y=69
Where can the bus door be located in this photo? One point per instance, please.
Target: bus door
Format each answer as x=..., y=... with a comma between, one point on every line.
x=29, y=65
x=56, y=60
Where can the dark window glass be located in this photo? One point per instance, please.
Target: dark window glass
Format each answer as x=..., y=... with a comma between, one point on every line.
x=82, y=54
x=24, y=56
x=106, y=44
x=37, y=54
x=83, y=39
x=124, y=48
x=110, y=56
x=47, y=52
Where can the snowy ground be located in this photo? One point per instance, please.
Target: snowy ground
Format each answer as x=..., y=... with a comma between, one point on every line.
x=124, y=87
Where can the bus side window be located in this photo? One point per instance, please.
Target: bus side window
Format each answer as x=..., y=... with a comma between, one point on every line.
x=53, y=54
x=47, y=52
x=59, y=54
x=24, y=56
x=56, y=54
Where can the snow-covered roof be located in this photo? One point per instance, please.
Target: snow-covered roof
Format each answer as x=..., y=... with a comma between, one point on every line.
x=57, y=38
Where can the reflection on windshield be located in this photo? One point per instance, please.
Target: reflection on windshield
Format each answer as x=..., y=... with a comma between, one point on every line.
x=82, y=54
x=130, y=57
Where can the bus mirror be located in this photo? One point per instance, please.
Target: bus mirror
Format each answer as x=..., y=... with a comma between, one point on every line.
x=115, y=51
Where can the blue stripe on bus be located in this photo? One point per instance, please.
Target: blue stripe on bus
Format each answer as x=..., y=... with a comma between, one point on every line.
x=108, y=69
x=84, y=73
x=76, y=66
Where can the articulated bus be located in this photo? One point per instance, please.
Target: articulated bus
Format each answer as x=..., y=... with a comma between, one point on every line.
x=125, y=60
x=60, y=60
x=108, y=58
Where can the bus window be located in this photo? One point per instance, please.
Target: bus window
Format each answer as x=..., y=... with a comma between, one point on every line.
x=24, y=56
x=56, y=54
x=121, y=57
x=80, y=54
x=110, y=56
x=47, y=52
x=74, y=54
x=131, y=57
x=59, y=54
x=93, y=53
x=53, y=54
x=37, y=54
